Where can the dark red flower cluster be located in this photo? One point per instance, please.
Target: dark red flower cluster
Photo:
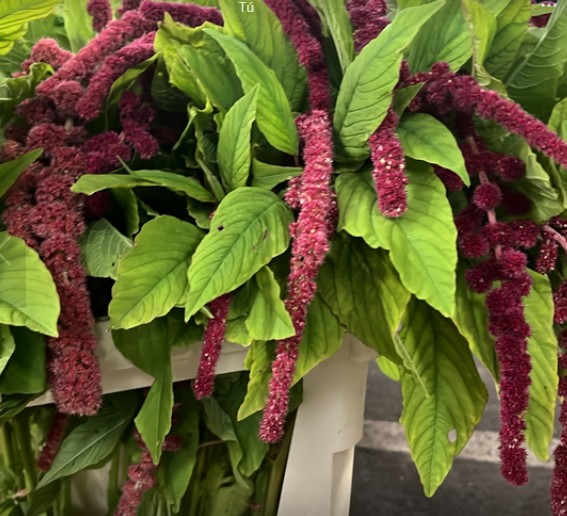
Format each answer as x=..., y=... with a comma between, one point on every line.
x=212, y=344
x=389, y=163
x=446, y=92
x=310, y=245
x=501, y=247
x=52, y=442
x=368, y=18
x=554, y=236
x=142, y=477
x=101, y=11
x=309, y=49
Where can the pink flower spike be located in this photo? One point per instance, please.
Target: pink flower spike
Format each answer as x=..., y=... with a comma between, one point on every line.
x=52, y=442
x=212, y=344
x=101, y=11
x=389, y=175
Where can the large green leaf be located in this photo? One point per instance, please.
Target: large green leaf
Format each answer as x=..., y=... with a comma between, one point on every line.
x=268, y=319
x=422, y=242
x=102, y=246
x=335, y=18
x=364, y=290
x=7, y=346
x=154, y=419
x=234, y=150
x=456, y=399
x=152, y=276
x=78, y=23
x=322, y=338
x=366, y=90
x=91, y=183
x=11, y=170
x=249, y=228
x=511, y=25
x=90, y=443
x=16, y=14
x=263, y=33
x=25, y=371
x=205, y=59
x=177, y=468
x=258, y=360
x=534, y=80
x=425, y=138
x=274, y=116
x=444, y=38
x=27, y=295
x=542, y=347
x=471, y=318
x=14, y=90
x=265, y=175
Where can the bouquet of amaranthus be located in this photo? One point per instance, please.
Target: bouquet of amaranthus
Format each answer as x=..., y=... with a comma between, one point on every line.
x=276, y=173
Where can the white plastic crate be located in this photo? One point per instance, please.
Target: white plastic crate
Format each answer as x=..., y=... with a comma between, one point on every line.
x=328, y=425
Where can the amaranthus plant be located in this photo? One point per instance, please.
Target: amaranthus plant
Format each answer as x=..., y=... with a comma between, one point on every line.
x=276, y=177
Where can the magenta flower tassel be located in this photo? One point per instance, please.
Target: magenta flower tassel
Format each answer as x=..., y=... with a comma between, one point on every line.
x=52, y=442
x=90, y=105
x=310, y=245
x=389, y=168
x=129, y=5
x=186, y=13
x=368, y=17
x=142, y=477
x=212, y=344
x=101, y=11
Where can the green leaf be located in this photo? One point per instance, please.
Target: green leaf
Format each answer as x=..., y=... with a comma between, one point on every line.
x=78, y=23
x=533, y=82
x=445, y=38
x=511, y=25
x=268, y=319
x=267, y=176
x=154, y=419
x=537, y=186
x=234, y=153
x=89, y=443
x=148, y=346
x=456, y=399
x=425, y=138
x=16, y=14
x=366, y=90
x=335, y=18
x=28, y=296
x=14, y=90
x=389, y=368
x=41, y=500
x=25, y=371
x=274, y=117
x=259, y=361
x=263, y=33
x=249, y=228
x=205, y=60
x=91, y=183
x=322, y=338
x=11, y=170
x=542, y=347
x=152, y=276
x=102, y=246
x=177, y=468
x=471, y=318
x=422, y=242
x=7, y=346
x=364, y=291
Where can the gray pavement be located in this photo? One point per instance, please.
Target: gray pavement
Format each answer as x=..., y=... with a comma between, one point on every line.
x=385, y=481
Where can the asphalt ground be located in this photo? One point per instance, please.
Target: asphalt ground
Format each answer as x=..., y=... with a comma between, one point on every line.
x=386, y=483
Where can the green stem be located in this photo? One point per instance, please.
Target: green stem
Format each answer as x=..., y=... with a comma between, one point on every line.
x=23, y=443
x=12, y=456
x=6, y=446
x=277, y=473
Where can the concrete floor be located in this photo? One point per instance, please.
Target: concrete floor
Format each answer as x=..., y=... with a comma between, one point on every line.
x=385, y=481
